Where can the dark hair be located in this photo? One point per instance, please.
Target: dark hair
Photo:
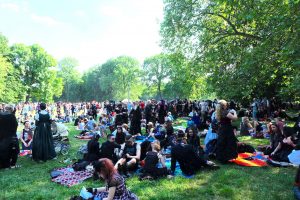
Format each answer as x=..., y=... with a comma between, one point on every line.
x=42, y=106
x=25, y=122
x=288, y=131
x=109, y=136
x=105, y=167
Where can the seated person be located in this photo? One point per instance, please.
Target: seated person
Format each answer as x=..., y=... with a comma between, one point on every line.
x=115, y=184
x=153, y=158
x=108, y=148
x=258, y=130
x=275, y=138
x=131, y=156
x=245, y=127
x=90, y=124
x=93, y=153
x=285, y=146
x=81, y=125
x=26, y=136
x=120, y=136
x=189, y=161
x=194, y=140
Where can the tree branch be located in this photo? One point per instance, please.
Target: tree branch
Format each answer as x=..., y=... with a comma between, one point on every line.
x=236, y=32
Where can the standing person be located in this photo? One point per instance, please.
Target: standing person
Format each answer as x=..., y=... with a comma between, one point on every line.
x=227, y=142
x=9, y=144
x=135, y=117
x=42, y=145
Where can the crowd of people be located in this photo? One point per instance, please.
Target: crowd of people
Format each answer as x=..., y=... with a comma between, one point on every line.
x=142, y=135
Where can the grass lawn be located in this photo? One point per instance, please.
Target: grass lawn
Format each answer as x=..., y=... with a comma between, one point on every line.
x=32, y=181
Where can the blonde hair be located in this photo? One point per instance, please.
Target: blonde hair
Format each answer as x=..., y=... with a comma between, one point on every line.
x=219, y=109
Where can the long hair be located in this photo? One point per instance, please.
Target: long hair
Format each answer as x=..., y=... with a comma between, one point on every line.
x=220, y=108
x=105, y=167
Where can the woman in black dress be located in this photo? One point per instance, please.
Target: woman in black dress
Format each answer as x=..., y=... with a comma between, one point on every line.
x=227, y=142
x=42, y=144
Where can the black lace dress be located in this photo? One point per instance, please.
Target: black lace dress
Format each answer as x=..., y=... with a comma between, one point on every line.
x=42, y=144
x=227, y=142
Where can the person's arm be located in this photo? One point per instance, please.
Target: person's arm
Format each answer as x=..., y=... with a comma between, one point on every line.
x=96, y=190
x=277, y=149
x=232, y=116
x=111, y=193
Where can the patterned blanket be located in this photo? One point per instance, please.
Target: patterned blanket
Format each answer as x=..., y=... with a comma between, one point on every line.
x=250, y=160
x=69, y=177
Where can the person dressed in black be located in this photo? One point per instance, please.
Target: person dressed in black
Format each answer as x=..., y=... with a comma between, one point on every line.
x=227, y=143
x=9, y=144
x=153, y=157
x=135, y=117
x=189, y=161
x=107, y=149
x=93, y=149
x=130, y=157
x=42, y=144
x=120, y=136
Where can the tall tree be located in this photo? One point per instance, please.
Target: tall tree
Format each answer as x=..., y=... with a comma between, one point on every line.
x=35, y=70
x=244, y=50
x=156, y=71
x=71, y=78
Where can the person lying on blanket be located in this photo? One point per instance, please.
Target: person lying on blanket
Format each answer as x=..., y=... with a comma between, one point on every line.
x=189, y=161
x=115, y=183
x=131, y=156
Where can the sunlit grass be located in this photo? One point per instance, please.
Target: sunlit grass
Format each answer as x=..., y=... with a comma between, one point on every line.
x=32, y=181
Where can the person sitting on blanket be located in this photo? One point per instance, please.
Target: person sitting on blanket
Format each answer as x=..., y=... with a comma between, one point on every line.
x=130, y=157
x=115, y=184
x=107, y=149
x=285, y=146
x=189, y=161
x=153, y=158
x=245, y=127
x=194, y=140
x=26, y=136
x=93, y=153
x=275, y=138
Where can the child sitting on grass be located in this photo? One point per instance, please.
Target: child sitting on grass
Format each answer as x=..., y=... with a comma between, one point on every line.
x=26, y=136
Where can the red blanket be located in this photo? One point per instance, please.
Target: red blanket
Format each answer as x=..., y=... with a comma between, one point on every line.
x=249, y=160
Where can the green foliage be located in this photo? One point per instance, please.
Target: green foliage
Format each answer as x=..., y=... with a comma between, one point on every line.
x=71, y=79
x=245, y=48
x=116, y=79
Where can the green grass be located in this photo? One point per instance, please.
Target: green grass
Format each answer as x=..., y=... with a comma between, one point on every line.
x=32, y=181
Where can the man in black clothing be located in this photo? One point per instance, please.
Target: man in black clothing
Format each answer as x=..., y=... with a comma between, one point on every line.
x=9, y=143
x=189, y=161
x=108, y=148
x=93, y=149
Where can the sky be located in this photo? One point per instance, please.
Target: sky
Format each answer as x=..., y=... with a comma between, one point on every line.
x=91, y=31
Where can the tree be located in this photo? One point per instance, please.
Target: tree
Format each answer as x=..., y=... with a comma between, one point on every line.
x=156, y=71
x=243, y=49
x=35, y=68
x=71, y=78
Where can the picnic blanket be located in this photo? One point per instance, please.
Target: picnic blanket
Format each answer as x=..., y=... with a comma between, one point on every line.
x=250, y=160
x=69, y=177
x=178, y=171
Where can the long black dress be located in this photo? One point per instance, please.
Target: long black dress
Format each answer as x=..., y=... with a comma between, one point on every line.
x=42, y=144
x=227, y=142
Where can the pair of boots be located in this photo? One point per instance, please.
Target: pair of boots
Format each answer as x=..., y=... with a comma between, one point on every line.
x=123, y=170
